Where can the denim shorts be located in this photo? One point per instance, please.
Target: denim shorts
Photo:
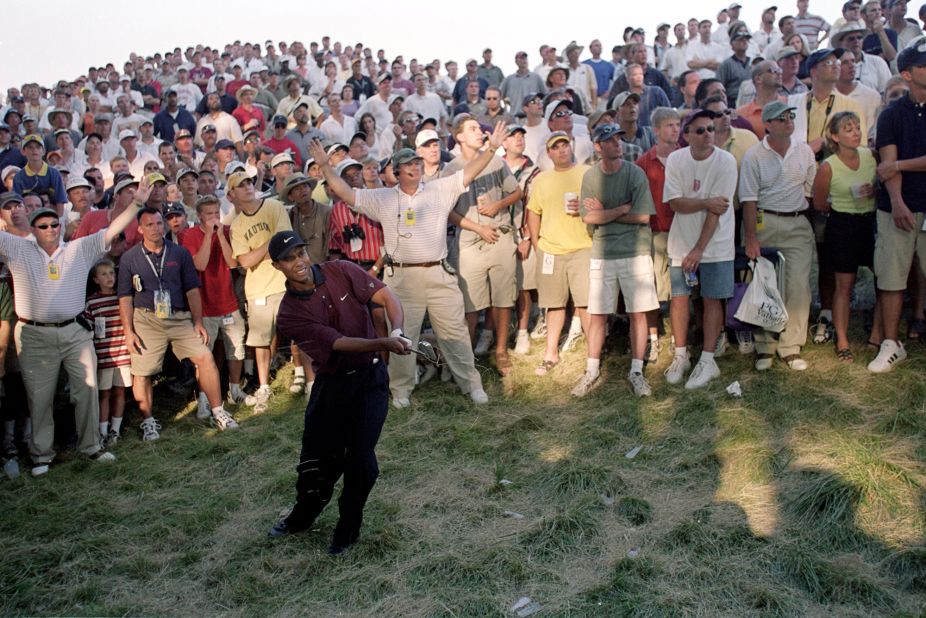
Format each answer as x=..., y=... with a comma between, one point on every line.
x=715, y=280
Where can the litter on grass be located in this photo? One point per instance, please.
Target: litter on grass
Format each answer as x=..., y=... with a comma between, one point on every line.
x=633, y=452
x=735, y=389
x=513, y=515
x=525, y=607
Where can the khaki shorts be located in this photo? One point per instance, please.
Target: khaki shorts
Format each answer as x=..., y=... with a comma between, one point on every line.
x=232, y=334
x=114, y=376
x=487, y=274
x=570, y=276
x=894, y=251
x=262, y=320
x=661, y=265
x=525, y=273
x=632, y=276
x=156, y=334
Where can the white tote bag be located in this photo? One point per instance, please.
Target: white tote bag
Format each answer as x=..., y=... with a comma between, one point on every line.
x=762, y=304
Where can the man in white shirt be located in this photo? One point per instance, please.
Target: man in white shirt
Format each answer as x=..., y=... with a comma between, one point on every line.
x=699, y=186
x=767, y=32
x=147, y=143
x=581, y=76
x=870, y=70
x=867, y=98
x=674, y=63
x=703, y=54
x=378, y=104
x=188, y=94
x=338, y=126
x=426, y=104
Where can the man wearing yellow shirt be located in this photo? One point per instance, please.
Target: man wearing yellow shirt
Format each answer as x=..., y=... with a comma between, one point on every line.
x=561, y=240
x=257, y=221
x=813, y=111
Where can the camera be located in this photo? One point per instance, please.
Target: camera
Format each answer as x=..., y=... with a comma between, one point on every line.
x=353, y=231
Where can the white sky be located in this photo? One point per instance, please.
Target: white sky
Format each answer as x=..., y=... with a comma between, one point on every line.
x=53, y=39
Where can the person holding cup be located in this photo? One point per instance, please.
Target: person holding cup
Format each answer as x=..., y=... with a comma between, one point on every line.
x=844, y=188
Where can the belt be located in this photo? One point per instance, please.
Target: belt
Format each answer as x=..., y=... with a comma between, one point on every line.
x=797, y=213
x=47, y=324
x=418, y=265
x=353, y=371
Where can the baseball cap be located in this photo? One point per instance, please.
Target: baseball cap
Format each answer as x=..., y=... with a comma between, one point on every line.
x=33, y=138
x=186, y=171
x=122, y=184
x=279, y=119
x=234, y=166
x=604, y=132
x=514, y=128
x=9, y=196
x=358, y=135
x=621, y=98
x=282, y=243
x=694, y=115
x=786, y=52
x=206, y=128
x=333, y=148
x=173, y=208
x=774, y=110
x=76, y=182
x=555, y=137
x=181, y=134
x=126, y=133
x=283, y=157
x=156, y=177
x=9, y=169
x=224, y=143
x=531, y=97
x=912, y=55
x=552, y=105
x=41, y=212
x=822, y=54
x=405, y=155
x=740, y=35
x=236, y=179
x=423, y=137
x=346, y=163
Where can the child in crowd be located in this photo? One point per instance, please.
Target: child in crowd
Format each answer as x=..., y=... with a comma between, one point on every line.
x=113, y=360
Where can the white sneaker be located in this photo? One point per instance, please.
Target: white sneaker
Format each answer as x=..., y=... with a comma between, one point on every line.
x=721, y=348
x=891, y=353
x=676, y=371
x=585, y=384
x=223, y=420
x=260, y=400
x=149, y=429
x=39, y=469
x=704, y=372
x=640, y=385
x=483, y=343
x=236, y=396
x=764, y=362
x=746, y=343
x=203, y=409
x=522, y=344
x=401, y=402
x=540, y=328
x=572, y=340
x=298, y=384
x=479, y=397
x=653, y=348
x=796, y=363
x=103, y=456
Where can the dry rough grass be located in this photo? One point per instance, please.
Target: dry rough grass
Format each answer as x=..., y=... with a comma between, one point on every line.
x=804, y=497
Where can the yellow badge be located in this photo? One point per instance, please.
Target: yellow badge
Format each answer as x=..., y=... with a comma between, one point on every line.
x=760, y=220
x=54, y=273
x=410, y=216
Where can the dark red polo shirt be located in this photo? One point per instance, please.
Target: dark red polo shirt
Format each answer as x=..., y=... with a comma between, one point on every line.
x=335, y=308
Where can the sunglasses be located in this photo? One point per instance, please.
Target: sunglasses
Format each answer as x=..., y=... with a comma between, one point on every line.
x=786, y=117
x=45, y=226
x=563, y=114
x=703, y=130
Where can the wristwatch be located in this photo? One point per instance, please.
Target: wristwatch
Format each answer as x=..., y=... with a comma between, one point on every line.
x=374, y=268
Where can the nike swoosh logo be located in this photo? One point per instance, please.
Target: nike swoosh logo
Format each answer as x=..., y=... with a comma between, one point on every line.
x=343, y=297
x=286, y=240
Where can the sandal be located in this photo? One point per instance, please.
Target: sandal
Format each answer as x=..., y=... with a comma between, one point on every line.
x=544, y=367
x=845, y=355
x=503, y=365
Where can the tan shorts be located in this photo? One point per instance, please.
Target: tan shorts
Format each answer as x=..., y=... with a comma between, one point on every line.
x=894, y=251
x=570, y=276
x=661, y=265
x=632, y=276
x=156, y=334
x=262, y=320
x=232, y=327
x=487, y=274
x=525, y=273
x=114, y=376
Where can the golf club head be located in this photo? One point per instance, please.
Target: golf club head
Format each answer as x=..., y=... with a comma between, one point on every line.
x=427, y=351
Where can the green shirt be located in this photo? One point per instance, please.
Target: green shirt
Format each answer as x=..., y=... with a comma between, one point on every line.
x=615, y=241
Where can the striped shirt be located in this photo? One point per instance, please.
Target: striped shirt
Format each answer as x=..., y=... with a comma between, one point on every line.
x=777, y=183
x=810, y=26
x=372, y=245
x=111, y=350
x=51, y=288
x=414, y=226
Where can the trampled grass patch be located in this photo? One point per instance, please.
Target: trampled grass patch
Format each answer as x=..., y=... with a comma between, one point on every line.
x=803, y=497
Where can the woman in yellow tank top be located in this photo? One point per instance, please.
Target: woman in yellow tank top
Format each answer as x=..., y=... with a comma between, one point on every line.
x=844, y=187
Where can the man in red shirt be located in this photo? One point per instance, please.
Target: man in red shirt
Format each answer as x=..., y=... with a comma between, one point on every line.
x=96, y=220
x=280, y=143
x=666, y=123
x=210, y=245
x=353, y=236
x=247, y=115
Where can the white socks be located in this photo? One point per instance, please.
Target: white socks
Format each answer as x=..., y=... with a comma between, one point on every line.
x=300, y=371
x=104, y=429
x=575, y=327
x=681, y=352
x=593, y=366
x=636, y=365
x=707, y=357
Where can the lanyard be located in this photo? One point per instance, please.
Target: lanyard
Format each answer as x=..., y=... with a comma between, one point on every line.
x=829, y=108
x=160, y=269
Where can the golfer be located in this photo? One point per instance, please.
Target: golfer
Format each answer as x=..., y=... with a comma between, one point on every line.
x=325, y=311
